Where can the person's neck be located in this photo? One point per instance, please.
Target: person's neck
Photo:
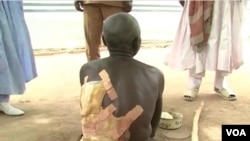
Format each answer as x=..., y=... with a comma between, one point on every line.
x=121, y=54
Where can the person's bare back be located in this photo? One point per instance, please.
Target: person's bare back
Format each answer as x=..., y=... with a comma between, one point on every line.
x=135, y=83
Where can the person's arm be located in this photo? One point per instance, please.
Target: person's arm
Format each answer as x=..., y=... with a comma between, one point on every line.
x=82, y=75
x=127, y=5
x=182, y=2
x=79, y=5
x=157, y=116
x=158, y=109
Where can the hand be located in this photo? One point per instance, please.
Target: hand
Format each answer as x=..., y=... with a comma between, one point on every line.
x=152, y=134
x=79, y=5
x=127, y=6
x=151, y=139
x=182, y=2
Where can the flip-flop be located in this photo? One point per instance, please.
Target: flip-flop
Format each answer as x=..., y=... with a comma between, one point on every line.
x=225, y=94
x=191, y=94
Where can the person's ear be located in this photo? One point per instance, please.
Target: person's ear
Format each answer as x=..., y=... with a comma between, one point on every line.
x=104, y=42
x=136, y=45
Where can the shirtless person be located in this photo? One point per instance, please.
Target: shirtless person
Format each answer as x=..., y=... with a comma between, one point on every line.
x=134, y=90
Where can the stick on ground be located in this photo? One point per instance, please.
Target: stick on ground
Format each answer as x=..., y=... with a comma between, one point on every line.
x=194, y=135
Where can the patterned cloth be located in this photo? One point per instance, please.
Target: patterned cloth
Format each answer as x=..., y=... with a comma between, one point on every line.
x=224, y=47
x=17, y=64
x=200, y=18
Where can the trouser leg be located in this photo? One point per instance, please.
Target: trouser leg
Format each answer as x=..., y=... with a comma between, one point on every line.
x=4, y=98
x=93, y=22
x=109, y=10
x=194, y=80
x=220, y=82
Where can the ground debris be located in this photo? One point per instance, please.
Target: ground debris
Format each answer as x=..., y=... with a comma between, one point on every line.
x=74, y=50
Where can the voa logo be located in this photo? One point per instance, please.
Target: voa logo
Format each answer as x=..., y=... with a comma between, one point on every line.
x=236, y=132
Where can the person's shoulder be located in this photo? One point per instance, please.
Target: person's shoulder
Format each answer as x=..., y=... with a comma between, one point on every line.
x=155, y=75
x=91, y=65
x=90, y=69
x=156, y=72
x=148, y=67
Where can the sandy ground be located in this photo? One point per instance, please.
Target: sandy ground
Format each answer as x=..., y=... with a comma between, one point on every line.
x=51, y=101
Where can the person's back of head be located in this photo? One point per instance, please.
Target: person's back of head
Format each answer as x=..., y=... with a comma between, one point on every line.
x=121, y=34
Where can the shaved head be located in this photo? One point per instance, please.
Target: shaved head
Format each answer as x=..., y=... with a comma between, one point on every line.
x=121, y=33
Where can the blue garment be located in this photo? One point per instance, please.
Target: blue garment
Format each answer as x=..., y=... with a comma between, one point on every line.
x=17, y=64
x=4, y=98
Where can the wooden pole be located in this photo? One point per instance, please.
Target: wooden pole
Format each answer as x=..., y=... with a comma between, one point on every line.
x=195, y=136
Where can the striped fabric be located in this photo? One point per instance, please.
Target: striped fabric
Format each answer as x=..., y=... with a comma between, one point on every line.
x=200, y=18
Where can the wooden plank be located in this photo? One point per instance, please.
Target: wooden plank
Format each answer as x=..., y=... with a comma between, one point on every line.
x=195, y=130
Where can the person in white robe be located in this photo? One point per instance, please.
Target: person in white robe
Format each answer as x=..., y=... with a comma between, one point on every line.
x=223, y=51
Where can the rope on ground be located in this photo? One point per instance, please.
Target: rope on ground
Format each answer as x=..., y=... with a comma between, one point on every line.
x=195, y=136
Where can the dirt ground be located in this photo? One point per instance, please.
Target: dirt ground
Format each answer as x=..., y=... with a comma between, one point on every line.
x=51, y=101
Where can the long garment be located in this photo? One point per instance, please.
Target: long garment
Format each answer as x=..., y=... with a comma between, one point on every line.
x=224, y=49
x=17, y=64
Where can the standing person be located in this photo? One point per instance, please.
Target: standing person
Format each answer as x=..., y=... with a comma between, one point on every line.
x=208, y=38
x=95, y=12
x=119, y=94
x=17, y=65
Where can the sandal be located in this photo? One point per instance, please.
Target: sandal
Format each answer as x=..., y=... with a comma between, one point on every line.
x=225, y=94
x=191, y=94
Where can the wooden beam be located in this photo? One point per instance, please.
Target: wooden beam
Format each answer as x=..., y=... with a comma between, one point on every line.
x=195, y=134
